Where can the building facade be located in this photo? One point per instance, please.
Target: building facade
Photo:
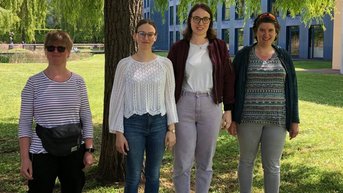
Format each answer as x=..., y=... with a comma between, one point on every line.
x=303, y=42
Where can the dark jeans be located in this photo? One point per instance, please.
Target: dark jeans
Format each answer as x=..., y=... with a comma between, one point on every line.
x=144, y=133
x=68, y=169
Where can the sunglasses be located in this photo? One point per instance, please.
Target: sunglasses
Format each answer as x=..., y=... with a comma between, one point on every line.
x=143, y=34
x=205, y=20
x=60, y=49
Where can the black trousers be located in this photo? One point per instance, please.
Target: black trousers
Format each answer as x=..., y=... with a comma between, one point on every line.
x=46, y=168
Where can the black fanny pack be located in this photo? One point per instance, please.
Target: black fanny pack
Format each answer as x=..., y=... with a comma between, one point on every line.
x=61, y=140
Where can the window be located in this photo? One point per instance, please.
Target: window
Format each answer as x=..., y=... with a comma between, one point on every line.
x=177, y=18
x=171, y=15
x=252, y=38
x=239, y=34
x=226, y=36
x=239, y=9
x=171, y=38
x=226, y=11
x=272, y=8
x=316, y=47
x=293, y=40
x=178, y=35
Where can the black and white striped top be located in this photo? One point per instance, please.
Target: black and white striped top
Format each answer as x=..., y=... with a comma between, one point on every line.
x=50, y=103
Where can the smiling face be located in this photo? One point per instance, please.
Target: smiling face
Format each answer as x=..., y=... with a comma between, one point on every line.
x=145, y=36
x=266, y=34
x=200, y=22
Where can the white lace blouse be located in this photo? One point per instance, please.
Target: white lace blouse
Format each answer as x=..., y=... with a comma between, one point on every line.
x=142, y=87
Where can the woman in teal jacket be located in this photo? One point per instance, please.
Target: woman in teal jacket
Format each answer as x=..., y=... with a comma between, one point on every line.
x=266, y=104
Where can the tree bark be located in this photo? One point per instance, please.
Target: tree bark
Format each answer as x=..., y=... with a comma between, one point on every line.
x=121, y=17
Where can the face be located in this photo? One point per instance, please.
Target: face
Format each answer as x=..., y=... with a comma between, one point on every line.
x=200, y=22
x=145, y=36
x=57, y=53
x=266, y=34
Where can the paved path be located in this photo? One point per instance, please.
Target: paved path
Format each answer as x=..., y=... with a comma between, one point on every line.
x=323, y=71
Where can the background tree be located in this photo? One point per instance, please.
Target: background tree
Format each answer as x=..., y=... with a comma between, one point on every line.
x=22, y=17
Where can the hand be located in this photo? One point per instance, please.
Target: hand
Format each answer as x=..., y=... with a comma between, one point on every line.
x=26, y=168
x=88, y=159
x=233, y=128
x=294, y=130
x=226, y=120
x=121, y=143
x=170, y=137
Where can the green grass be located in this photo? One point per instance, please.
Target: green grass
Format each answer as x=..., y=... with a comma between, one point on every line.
x=311, y=163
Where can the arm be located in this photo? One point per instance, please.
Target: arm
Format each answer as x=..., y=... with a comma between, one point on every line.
x=26, y=164
x=87, y=125
x=25, y=130
x=170, y=105
x=228, y=88
x=294, y=127
x=116, y=109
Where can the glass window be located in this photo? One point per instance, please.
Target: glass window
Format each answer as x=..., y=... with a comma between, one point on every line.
x=293, y=40
x=239, y=34
x=178, y=35
x=226, y=36
x=171, y=38
x=171, y=15
x=239, y=9
x=226, y=11
x=177, y=18
x=316, y=42
x=252, y=37
x=272, y=8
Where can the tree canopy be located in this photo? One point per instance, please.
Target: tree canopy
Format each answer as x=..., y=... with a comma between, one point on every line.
x=308, y=10
x=78, y=17
x=84, y=19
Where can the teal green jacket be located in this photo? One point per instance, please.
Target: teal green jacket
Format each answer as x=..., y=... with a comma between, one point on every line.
x=241, y=62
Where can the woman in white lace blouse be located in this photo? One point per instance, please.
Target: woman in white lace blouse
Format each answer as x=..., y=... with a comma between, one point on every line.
x=143, y=110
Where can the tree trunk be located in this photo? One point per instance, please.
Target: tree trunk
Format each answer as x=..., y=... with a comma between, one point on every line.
x=121, y=17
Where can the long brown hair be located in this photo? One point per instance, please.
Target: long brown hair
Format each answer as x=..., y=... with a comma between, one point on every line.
x=210, y=34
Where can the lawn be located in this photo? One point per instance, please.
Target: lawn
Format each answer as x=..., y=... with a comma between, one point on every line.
x=311, y=163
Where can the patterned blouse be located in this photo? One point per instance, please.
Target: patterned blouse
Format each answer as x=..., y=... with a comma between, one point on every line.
x=265, y=92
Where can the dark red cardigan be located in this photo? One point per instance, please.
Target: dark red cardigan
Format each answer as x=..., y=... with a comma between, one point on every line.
x=223, y=73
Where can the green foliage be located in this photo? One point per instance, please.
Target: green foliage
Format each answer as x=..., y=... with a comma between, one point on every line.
x=309, y=10
x=4, y=59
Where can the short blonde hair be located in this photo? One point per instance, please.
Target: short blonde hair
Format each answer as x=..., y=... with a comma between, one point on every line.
x=58, y=36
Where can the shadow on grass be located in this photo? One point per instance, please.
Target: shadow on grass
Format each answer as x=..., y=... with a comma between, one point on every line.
x=294, y=178
x=323, y=89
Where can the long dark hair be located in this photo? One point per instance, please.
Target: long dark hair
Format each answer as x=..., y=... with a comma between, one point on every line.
x=210, y=34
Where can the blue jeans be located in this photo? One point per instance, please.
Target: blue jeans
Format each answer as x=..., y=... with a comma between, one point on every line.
x=144, y=133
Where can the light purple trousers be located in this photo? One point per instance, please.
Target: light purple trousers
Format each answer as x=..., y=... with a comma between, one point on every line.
x=196, y=138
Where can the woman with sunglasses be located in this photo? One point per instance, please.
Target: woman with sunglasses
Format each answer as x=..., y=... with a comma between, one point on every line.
x=204, y=80
x=55, y=100
x=266, y=104
x=143, y=110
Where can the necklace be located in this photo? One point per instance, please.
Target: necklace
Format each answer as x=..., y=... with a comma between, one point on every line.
x=201, y=46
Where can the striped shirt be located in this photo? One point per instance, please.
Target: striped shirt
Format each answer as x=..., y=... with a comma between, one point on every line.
x=265, y=92
x=50, y=104
x=142, y=87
